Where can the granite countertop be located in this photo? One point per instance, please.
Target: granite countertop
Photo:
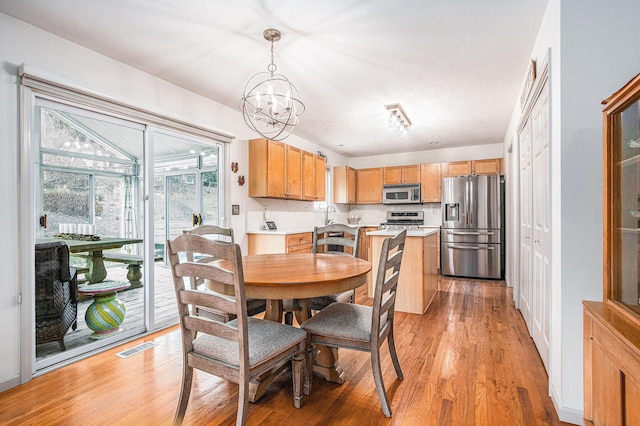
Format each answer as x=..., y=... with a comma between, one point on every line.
x=420, y=232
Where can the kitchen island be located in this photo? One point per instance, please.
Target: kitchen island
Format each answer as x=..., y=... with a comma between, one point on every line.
x=418, y=283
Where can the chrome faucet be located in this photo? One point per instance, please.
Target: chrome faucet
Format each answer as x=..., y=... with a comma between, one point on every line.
x=330, y=209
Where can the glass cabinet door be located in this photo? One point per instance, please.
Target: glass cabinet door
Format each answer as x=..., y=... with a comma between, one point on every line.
x=625, y=256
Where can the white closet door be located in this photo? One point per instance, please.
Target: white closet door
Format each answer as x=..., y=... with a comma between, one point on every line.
x=541, y=235
x=526, y=223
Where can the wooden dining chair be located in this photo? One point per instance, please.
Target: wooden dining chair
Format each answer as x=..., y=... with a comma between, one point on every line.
x=254, y=306
x=330, y=239
x=365, y=328
x=238, y=350
x=334, y=239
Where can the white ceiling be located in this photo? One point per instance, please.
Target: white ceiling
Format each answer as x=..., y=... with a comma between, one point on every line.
x=456, y=66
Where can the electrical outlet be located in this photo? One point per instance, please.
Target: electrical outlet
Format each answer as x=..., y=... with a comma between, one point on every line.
x=265, y=213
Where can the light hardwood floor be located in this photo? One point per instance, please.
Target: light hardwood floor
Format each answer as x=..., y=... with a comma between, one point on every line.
x=467, y=361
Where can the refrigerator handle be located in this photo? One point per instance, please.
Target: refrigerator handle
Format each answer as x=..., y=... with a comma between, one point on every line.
x=466, y=202
x=470, y=205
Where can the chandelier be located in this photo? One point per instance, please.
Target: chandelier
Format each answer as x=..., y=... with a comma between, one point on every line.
x=270, y=103
x=398, y=120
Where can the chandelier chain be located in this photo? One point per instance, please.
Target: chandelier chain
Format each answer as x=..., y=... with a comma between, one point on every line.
x=272, y=66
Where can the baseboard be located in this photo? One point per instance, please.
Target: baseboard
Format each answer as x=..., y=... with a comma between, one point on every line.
x=8, y=384
x=567, y=415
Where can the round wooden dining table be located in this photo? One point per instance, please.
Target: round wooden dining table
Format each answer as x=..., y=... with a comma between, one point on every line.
x=275, y=277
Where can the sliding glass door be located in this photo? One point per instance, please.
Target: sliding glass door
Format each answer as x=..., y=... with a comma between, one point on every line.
x=90, y=183
x=186, y=193
x=88, y=192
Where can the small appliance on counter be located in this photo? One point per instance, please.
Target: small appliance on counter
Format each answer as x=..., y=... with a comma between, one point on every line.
x=403, y=220
x=472, y=234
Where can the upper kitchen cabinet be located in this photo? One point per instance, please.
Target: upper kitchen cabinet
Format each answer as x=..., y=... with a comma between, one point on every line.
x=267, y=160
x=402, y=174
x=456, y=168
x=369, y=186
x=492, y=166
x=320, y=182
x=431, y=183
x=293, y=176
x=313, y=177
x=344, y=185
x=278, y=170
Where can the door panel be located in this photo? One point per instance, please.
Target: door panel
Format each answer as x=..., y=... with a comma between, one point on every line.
x=541, y=226
x=525, y=223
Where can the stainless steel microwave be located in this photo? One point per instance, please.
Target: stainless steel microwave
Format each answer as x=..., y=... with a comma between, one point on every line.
x=401, y=194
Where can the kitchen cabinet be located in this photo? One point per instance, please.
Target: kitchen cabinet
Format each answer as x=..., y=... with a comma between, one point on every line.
x=267, y=160
x=278, y=170
x=369, y=186
x=402, y=174
x=313, y=177
x=308, y=176
x=430, y=183
x=321, y=178
x=456, y=168
x=492, y=166
x=281, y=242
x=293, y=175
x=344, y=185
x=612, y=327
x=365, y=242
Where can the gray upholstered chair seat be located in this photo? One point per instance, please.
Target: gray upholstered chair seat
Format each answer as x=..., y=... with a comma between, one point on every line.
x=342, y=320
x=266, y=339
x=318, y=303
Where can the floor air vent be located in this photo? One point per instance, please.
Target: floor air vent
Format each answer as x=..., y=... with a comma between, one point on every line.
x=136, y=349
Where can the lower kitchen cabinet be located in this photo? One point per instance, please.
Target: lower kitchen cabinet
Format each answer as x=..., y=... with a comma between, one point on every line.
x=281, y=242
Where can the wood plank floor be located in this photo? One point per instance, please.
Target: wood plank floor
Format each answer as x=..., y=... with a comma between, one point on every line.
x=467, y=361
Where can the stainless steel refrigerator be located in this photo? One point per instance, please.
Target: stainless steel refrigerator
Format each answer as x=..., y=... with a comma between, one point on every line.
x=472, y=234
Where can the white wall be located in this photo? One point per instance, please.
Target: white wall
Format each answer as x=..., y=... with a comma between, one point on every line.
x=21, y=43
x=442, y=155
x=592, y=45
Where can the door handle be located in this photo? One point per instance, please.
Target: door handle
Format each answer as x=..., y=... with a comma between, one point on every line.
x=470, y=233
x=470, y=247
x=43, y=221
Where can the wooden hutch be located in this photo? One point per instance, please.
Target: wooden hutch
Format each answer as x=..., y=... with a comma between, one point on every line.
x=612, y=327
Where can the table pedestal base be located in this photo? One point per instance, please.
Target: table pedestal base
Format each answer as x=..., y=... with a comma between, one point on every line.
x=326, y=364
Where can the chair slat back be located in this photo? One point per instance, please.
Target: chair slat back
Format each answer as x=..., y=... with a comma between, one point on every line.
x=322, y=237
x=221, y=234
x=192, y=323
x=386, y=285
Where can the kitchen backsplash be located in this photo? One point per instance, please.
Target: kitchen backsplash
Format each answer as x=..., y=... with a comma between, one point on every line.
x=294, y=215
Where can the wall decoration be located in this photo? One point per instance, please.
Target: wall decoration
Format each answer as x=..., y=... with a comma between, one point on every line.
x=234, y=167
x=241, y=180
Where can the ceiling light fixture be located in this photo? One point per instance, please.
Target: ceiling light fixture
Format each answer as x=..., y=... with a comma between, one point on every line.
x=270, y=103
x=398, y=119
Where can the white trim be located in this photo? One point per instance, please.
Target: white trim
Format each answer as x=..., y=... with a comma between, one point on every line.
x=53, y=85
